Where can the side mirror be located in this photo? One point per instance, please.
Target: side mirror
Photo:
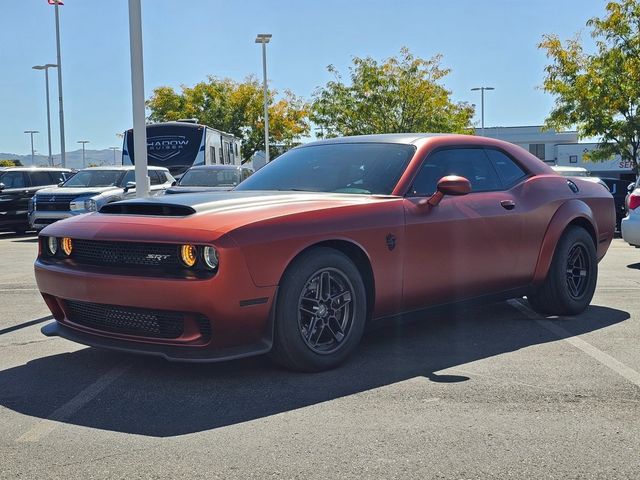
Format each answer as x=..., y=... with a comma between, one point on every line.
x=449, y=185
x=174, y=183
x=60, y=184
x=2, y=186
x=630, y=188
x=129, y=186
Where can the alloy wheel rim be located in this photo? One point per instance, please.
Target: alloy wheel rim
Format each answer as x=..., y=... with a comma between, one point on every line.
x=326, y=310
x=577, y=271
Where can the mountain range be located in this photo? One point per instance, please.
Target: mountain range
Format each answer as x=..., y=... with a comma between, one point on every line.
x=73, y=159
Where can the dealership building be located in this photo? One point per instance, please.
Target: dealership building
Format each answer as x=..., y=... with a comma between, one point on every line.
x=561, y=148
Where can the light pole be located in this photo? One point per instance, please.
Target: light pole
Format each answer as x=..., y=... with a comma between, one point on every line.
x=46, y=68
x=114, y=150
x=482, y=89
x=31, y=133
x=137, y=94
x=264, y=38
x=83, y=142
x=63, y=157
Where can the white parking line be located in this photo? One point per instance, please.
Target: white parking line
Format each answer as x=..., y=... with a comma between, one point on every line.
x=45, y=426
x=602, y=357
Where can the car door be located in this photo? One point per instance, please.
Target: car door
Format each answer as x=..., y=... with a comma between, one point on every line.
x=466, y=246
x=14, y=198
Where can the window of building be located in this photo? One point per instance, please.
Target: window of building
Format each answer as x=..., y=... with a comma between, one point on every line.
x=537, y=149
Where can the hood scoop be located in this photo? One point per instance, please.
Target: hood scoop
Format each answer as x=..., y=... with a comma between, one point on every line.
x=151, y=209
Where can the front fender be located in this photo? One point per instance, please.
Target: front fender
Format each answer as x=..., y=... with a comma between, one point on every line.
x=570, y=211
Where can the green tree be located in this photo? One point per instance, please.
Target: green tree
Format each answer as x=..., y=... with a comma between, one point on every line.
x=10, y=163
x=599, y=92
x=401, y=94
x=236, y=108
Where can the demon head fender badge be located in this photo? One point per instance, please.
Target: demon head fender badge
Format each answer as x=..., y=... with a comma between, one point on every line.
x=391, y=241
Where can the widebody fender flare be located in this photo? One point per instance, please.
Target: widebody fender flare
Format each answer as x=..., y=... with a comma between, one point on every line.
x=573, y=211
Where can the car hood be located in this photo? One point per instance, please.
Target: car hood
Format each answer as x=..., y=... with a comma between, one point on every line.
x=79, y=191
x=201, y=215
x=179, y=189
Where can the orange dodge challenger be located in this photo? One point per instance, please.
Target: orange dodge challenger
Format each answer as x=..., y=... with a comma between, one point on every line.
x=300, y=256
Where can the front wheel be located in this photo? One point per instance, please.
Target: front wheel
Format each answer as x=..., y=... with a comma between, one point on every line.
x=320, y=311
x=571, y=280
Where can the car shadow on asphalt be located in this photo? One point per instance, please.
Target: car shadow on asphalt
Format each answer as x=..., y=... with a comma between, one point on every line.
x=161, y=399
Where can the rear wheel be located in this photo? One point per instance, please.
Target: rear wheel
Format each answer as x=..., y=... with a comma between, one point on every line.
x=320, y=312
x=571, y=280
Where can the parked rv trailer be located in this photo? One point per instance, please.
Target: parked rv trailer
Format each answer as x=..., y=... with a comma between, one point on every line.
x=183, y=144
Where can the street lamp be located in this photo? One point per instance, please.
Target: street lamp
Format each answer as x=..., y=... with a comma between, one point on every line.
x=264, y=38
x=59, y=65
x=83, y=142
x=31, y=132
x=482, y=89
x=46, y=68
x=114, y=149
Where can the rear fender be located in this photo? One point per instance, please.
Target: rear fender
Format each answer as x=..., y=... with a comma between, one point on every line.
x=571, y=211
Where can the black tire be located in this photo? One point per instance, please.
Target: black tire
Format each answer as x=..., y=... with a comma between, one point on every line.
x=568, y=288
x=296, y=329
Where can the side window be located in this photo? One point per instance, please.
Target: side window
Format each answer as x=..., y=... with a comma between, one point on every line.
x=212, y=152
x=154, y=175
x=471, y=163
x=13, y=180
x=509, y=171
x=130, y=176
x=39, y=179
x=57, y=177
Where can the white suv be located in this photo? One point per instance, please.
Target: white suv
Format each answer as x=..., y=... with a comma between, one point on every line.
x=90, y=189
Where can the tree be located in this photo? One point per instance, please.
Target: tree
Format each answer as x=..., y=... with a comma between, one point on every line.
x=236, y=108
x=401, y=94
x=599, y=93
x=10, y=163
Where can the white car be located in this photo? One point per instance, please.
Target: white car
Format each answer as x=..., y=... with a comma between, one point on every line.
x=631, y=223
x=90, y=189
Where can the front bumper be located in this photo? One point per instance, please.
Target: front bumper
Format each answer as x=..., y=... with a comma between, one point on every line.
x=238, y=312
x=168, y=352
x=38, y=219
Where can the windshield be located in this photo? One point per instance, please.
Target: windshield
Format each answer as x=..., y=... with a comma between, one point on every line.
x=210, y=177
x=94, y=178
x=365, y=168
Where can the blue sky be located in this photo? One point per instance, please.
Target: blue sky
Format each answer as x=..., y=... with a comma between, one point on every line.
x=491, y=42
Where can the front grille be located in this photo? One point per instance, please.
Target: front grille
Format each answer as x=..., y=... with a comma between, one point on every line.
x=45, y=221
x=128, y=320
x=130, y=254
x=55, y=203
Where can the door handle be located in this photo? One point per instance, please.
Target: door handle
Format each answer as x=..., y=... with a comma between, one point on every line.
x=508, y=204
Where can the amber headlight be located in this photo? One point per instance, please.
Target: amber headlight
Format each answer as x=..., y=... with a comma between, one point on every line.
x=52, y=246
x=67, y=246
x=189, y=255
x=210, y=257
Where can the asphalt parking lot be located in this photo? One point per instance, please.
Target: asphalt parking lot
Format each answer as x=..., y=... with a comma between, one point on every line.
x=486, y=392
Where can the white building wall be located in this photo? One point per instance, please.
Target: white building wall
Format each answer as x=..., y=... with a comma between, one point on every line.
x=574, y=156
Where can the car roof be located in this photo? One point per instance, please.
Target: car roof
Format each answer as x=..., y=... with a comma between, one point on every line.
x=39, y=169
x=403, y=138
x=123, y=168
x=216, y=167
x=562, y=168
